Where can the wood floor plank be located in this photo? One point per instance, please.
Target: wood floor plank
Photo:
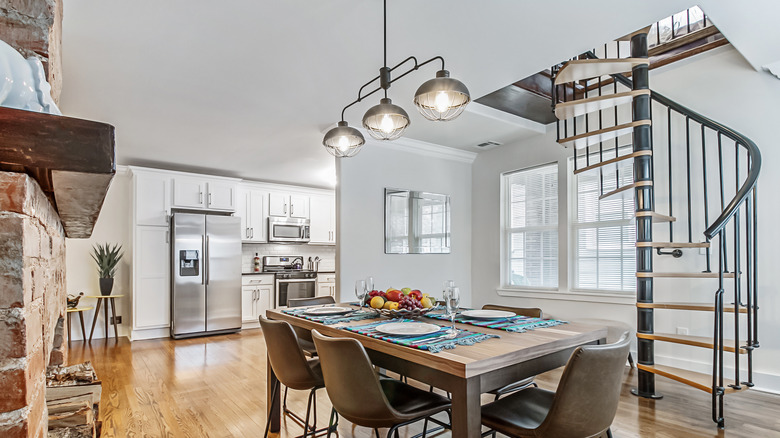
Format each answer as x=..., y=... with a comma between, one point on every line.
x=215, y=387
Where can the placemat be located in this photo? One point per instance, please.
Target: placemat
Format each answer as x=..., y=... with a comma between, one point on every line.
x=357, y=315
x=434, y=342
x=516, y=324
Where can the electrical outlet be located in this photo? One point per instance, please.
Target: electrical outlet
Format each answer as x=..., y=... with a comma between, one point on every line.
x=118, y=320
x=682, y=330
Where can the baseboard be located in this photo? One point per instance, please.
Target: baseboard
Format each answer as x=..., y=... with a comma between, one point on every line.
x=154, y=333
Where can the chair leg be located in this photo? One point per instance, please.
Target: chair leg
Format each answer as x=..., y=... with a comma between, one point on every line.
x=631, y=360
x=314, y=422
x=308, y=412
x=609, y=431
x=376, y=431
x=425, y=427
x=331, y=425
x=284, y=402
x=268, y=419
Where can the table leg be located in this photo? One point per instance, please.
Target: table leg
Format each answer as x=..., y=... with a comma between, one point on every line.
x=69, y=313
x=113, y=315
x=94, y=319
x=105, y=311
x=83, y=332
x=274, y=401
x=466, y=409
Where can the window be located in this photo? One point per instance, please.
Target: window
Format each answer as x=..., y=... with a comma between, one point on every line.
x=603, y=233
x=531, y=227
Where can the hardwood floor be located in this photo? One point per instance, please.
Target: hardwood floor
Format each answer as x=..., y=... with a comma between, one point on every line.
x=215, y=387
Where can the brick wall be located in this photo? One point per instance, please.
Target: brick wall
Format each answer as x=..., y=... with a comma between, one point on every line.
x=34, y=28
x=32, y=303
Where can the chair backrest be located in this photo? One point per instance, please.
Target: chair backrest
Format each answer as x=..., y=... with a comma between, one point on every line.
x=313, y=301
x=287, y=359
x=533, y=312
x=351, y=381
x=587, y=396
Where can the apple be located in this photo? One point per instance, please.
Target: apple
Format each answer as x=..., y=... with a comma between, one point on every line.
x=406, y=290
x=394, y=295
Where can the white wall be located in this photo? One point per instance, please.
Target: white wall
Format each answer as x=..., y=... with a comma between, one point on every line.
x=113, y=226
x=720, y=85
x=360, y=202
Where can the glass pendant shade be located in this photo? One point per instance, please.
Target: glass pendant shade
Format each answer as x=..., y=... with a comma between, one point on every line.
x=343, y=141
x=442, y=98
x=386, y=121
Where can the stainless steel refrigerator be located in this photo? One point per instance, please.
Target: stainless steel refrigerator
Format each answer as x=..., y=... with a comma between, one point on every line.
x=206, y=277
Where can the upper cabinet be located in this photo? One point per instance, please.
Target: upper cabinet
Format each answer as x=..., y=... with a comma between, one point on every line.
x=323, y=220
x=251, y=208
x=152, y=198
x=203, y=193
x=285, y=205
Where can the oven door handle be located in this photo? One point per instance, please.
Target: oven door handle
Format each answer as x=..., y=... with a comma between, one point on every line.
x=297, y=280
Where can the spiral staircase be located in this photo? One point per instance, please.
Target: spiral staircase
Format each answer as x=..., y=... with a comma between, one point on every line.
x=706, y=175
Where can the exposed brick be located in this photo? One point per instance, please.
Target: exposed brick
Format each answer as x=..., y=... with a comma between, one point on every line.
x=11, y=260
x=13, y=336
x=13, y=390
x=15, y=431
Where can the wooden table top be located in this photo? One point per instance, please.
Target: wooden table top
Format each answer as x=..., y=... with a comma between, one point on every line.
x=104, y=296
x=472, y=360
x=79, y=309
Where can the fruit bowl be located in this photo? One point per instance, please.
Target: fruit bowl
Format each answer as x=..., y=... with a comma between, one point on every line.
x=404, y=313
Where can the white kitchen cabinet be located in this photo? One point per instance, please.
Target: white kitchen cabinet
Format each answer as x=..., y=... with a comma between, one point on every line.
x=151, y=274
x=251, y=208
x=257, y=297
x=285, y=205
x=203, y=194
x=152, y=198
x=323, y=220
x=326, y=285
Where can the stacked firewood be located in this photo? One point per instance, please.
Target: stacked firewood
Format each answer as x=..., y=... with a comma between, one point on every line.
x=73, y=399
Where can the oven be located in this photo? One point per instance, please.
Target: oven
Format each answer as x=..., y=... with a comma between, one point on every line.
x=295, y=285
x=287, y=230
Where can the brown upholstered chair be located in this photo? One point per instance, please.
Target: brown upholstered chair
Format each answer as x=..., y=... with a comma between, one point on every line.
x=584, y=404
x=615, y=330
x=304, y=336
x=361, y=397
x=532, y=312
x=293, y=370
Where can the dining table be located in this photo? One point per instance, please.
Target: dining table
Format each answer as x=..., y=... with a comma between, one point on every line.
x=466, y=371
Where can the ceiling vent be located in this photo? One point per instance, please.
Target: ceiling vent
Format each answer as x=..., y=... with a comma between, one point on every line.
x=488, y=144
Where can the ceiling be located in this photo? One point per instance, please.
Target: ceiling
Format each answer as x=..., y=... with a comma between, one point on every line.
x=248, y=88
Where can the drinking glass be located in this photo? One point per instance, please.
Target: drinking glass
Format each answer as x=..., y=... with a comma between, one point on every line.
x=452, y=302
x=369, y=283
x=360, y=292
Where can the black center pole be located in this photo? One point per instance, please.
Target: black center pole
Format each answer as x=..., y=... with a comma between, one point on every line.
x=643, y=202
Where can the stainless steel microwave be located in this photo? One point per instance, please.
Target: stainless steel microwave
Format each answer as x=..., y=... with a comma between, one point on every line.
x=287, y=230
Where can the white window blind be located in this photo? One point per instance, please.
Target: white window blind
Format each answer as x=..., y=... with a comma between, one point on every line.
x=531, y=227
x=604, y=251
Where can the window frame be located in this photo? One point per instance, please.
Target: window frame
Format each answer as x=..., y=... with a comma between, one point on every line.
x=506, y=231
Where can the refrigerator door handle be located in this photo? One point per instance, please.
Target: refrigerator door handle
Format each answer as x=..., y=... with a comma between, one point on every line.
x=206, y=257
x=203, y=262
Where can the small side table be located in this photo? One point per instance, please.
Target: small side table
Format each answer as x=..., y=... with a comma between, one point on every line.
x=80, y=311
x=109, y=302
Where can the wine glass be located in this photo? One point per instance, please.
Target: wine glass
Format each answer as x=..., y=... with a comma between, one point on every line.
x=448, y=285
x=360, y=292
x=369, y=283
x=452, y=302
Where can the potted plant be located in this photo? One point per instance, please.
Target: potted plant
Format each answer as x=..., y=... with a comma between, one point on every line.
x=107, y=259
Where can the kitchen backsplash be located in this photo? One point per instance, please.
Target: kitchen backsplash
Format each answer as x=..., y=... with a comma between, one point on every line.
x=327, y=254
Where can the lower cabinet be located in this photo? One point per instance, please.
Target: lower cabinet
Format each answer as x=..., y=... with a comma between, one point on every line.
x=256, y=297
x=326, y=285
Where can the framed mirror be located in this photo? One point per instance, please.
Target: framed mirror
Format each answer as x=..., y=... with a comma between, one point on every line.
x=416, y=222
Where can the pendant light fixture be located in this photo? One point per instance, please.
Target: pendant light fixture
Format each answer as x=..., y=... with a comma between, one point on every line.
x=439, y=99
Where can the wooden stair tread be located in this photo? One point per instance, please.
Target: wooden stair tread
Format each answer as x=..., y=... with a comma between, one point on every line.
x=703, y=307
x=683, y=275
x=673, y=244
x=614, y=160
x=697, y=380
x=579, y=69
x=587, y=105
x=626, y=187
x=586, y=139
x=657, y=217
x=695, y=341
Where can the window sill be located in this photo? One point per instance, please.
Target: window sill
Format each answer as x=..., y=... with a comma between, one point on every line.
x=592, y=297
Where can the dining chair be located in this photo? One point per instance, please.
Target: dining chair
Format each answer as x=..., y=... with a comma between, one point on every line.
x=615, y=330
x=360, y=396
x=584, y=405
x=293, y=370
x=304, y=336
x=531, y=312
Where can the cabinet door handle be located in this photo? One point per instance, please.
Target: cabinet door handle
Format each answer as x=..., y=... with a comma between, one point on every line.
x=209, y=198
x=200, y=197
x=285, y=208
x=246, y=233
x=291, y=209
x=167, y=237
x=253, y=232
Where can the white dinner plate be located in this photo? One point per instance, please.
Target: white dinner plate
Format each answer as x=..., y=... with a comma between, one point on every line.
x=332, y=310
x=487, y=314
x=408, y=328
